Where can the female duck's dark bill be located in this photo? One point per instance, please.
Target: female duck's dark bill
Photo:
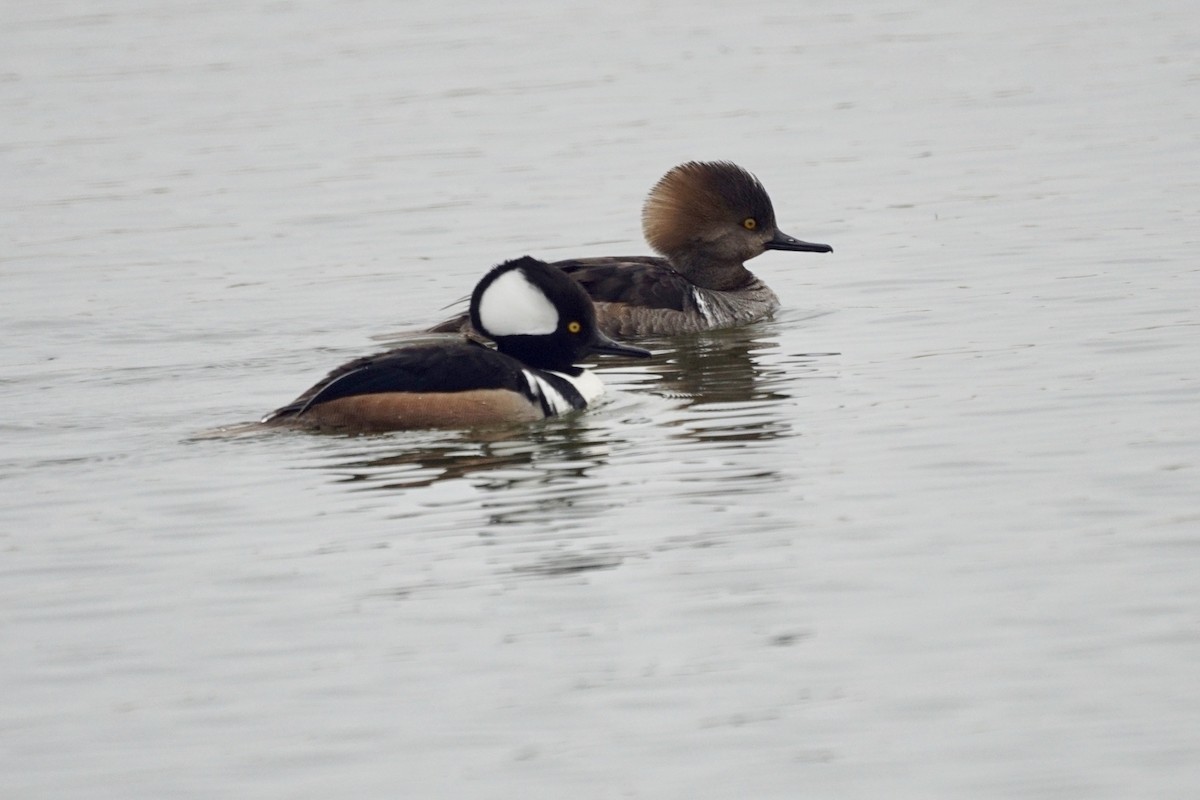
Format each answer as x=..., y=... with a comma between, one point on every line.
x=602, y=345
x=782, y=241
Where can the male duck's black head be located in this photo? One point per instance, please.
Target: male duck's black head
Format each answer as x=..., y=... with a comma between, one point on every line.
x=704, y=215
x=539, y=315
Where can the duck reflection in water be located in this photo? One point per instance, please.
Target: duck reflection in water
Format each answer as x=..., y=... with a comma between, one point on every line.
x=734, y=383
x=542, y=486
x=558, y=451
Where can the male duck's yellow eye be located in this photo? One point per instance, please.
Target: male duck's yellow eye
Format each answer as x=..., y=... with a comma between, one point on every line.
x=749, y=223
x=574, y=327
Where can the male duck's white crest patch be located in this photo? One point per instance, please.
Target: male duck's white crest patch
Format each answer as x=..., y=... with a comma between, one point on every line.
x=512, y=306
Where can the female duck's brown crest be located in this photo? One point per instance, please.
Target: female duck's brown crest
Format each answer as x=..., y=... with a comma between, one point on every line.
x=700, y=200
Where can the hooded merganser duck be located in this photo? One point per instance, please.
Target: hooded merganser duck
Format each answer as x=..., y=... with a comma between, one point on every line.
x=705, y=218
x=542, y=323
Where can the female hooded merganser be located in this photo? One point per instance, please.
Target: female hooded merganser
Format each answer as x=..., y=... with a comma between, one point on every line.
x=705, y=218
x=542, y=323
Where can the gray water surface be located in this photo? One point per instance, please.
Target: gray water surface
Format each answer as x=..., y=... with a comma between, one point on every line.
x=932, y=531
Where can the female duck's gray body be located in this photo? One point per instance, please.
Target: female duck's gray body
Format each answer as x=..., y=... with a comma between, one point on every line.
x=705, y=219
x=643, y=296
x=542, y=323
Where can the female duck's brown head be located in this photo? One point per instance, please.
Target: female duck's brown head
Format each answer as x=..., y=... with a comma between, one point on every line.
x=708, y=217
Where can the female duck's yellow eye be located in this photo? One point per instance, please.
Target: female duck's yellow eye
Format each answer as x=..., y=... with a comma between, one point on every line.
x=574, y=327
x=749, y=223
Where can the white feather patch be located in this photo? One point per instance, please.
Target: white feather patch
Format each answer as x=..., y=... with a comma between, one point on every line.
x=512, y=306
x=702, y=305
x=586, y=383
x=544, y=389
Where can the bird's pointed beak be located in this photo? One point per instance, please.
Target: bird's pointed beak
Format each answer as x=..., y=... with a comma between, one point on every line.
x=781, y=241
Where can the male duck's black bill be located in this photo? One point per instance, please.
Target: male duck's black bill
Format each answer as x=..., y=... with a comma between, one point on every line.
x=602, y=345
x=781, y=241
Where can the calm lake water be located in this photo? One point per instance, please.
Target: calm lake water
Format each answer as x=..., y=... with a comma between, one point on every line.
x=933, y=531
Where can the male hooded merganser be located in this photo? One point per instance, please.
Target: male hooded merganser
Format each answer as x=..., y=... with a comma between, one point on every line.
x=705, y=218
x=542, y=323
